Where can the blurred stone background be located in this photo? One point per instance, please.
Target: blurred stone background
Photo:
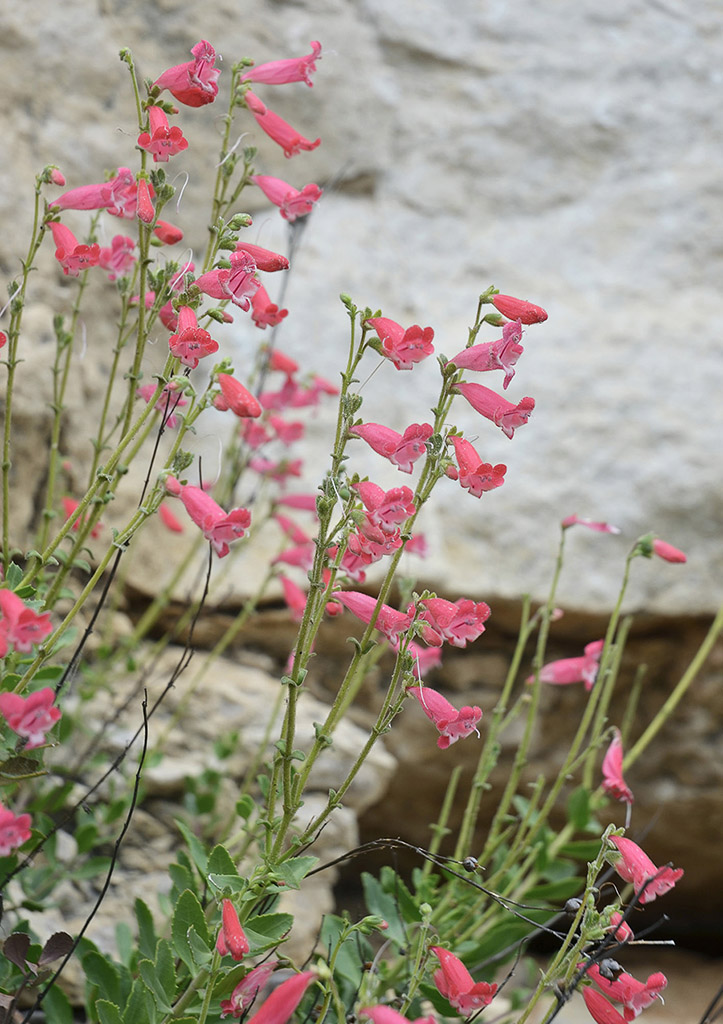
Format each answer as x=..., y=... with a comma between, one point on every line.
x=568, y=153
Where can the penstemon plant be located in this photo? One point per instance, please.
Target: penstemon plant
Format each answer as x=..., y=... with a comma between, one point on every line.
x=445, y=943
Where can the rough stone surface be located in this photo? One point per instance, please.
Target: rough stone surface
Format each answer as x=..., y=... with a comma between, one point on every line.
x=575, y=162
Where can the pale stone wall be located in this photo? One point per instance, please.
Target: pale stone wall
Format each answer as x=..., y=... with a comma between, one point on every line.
x=567, y=152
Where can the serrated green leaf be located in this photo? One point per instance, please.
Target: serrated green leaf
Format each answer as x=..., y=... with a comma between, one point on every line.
x=13, y=575
x=581, y=849
x=180, y=876
x=578, y=807
x=267, y=930
x=195, y=847
x=202, y=955
x=152, y=982
x=165, y=968
x=227, y=885
x=108, y=1013
x=103, y=973
x=291, y=872
x=188, y=914
x=245, y=807
x=140, y=1007
x=384, y=905
x=220, y=862
x=124, y=942
x=146, y=930
x=393, y=884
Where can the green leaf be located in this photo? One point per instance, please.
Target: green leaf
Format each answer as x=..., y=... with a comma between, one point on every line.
x=581, y=849
x=221, y=862
x=200, y=952
x=188, y=915
x=13, y=575
x=165, y=968
x=245, y=807
x=195, y=847
x=140, y=1007
x=124, y=942
x=148, y=973
x=108, y=1013
x=267, y=930
x=578, y=807
x=384, y=905
x=393, y=884
x=103, y=973
x=553, y=892
x=227, y=885
x=180, y=876
x=19, y=767
x=146, y=930
x=290, y=874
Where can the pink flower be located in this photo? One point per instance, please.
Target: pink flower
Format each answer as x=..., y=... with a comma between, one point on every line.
x=69, y=507
x=386, y=509
x=235, y=397
x=57, y=177
x=389, y=621
x=247, y=990
x=279, y=471
x=3, y=339
x=370, y=544
x=30, y=716
x=168, y=519
x=494, y=355
x=236, y=283
x=620, y=928
x=292, y=203
x=144, y=208
x=635, y=995
x=277, y=129
x=612, y=770
x=193, y=83
x=264, y=259
x=161, y=141
x=305, y=502
x=119, y=196
x=601, y=1011
x=190, y=343
x=264, y=312
x=118, y=258
x=453, y=621
x=503, y=414
x=20, y=626
x=285, y=364
x=291, y=530
x=281, y=72
x=667, y=552
x=300, y=555
x=573, y=670
x=451, y=724
x=401, y=450
x=474, y=475
x=218, y=527
x=167, y=233
x=417, y=545
x=282, y=1002
x=295, y=598
x=638, y=869
x=287, y=431
x=425, y=658
x=254, y=434
x=458, y=987
x=170, y=399
x=388, y=1015
x=591, y=524
x=70, y=254
x=519, y=309
x=231, y=938
x=14, y=831
x=404, y=348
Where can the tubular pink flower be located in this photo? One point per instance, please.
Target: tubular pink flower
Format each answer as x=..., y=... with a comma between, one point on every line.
x=264, y=259
x=372, y=548
x=620, y=928
x=245, y=993
x=458, y=987
x=591, y=524
x=167, y=233
x=474, y=475
x=389, y=621
x=295, y=598
x=170, y=399
x=451, y=724
x=638, y=869
x=234, y=396
x=388, y=1015
x=457, y=622
x=305, y=502
x=667, y=552
x=292, y=203
x=280, y=131
x=168, y=519
x=145, y=209
x=283, y=1000
x=231, y=938
x=264, y=312
x=14, y=831
x=300, y=555
x=489, y=404
x=292, y=530
x=386, y=509
x=282, y=72
x=57, y=177
x=118, y=258
x=283, y=363
x=573, y=670
x=612, y=771
x=279, y=471
x=69, y=507
x=635, y=995
x=193, y=83
x=402, y=450
x=287, y=431
x=190, y=343
x=217, y=526
x=20, y=626
x=601, y=1011
x=161, y=141
x=30, y=716
x=70, y=254
x=519, y=309
x=235, y=284
x=118, y=196
x=403, y=347
x=494, y=355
